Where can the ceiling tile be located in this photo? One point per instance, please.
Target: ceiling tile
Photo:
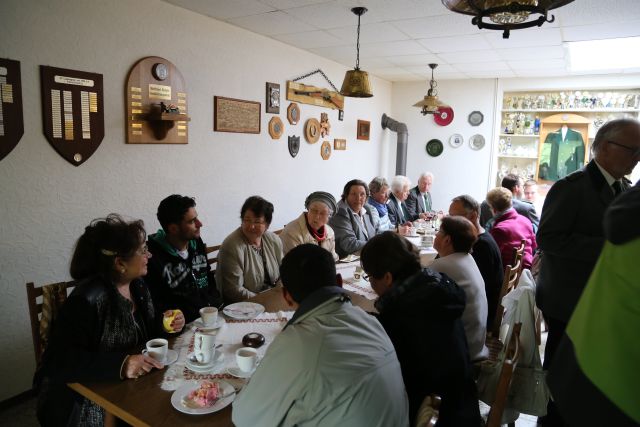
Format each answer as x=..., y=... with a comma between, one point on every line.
x=386, y=10
x=426, y=71
x=410, y=60
x=404, y=47
x=530, y=53
x=309, y=39
x=224, y=9
x=543, y=72
x=482, y=66
x=271, y=23
x=328, y=15
x=491, y=74
x=601, y=31
x=525, y=38
x=451, y=76
x=370, y=33
x=455, y=43
x=471, y=56
x=452, y=24
x=582, y=12
x=289, y=4
x=537, y=64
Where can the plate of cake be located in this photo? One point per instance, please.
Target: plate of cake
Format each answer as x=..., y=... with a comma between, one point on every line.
x=203, y=396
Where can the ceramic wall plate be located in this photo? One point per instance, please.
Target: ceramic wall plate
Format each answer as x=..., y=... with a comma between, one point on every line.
x=276, y=127
x=475, y=118
x=312, y=131
x=435, y=147
x=444, y=116
x=456, y=140
x=476, y=142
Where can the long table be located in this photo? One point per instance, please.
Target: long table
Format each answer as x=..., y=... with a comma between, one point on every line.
x=141, y=402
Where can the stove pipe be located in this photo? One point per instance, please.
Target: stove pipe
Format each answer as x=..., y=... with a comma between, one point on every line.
x=403, y=138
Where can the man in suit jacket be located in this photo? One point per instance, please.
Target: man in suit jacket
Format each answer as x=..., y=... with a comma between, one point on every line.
x=571, y=234
x=419, y=200
x=398, y=212
x=514, y=184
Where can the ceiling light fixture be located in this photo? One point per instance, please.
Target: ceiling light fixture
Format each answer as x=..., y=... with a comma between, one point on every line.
x=430, y=103
x=356, y=82
x=506, y=15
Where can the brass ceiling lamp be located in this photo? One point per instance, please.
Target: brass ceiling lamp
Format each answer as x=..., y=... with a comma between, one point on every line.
x=356, y=82
x=506, y=15
x=430, y=103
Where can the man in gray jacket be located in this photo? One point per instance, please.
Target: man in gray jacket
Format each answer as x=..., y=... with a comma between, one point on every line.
x=333, y=364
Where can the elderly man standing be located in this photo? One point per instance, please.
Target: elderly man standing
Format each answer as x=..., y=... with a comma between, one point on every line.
x=333, y=364
x=571, y=234
x=398, y=211
x=419, y=201
x=485, y=252
x=514, y=184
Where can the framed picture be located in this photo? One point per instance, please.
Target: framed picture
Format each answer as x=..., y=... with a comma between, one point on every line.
x=235, y=115
x=341, y=115
x=272, y=103
x=363, y=129
x=339, y=144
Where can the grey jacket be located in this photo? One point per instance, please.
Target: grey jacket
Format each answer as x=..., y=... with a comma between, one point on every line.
x=415, y=203
x=350, y=234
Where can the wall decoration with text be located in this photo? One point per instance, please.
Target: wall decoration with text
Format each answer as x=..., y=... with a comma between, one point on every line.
x=72, y=112
x=364, y=128
x=272, y=103
x=235, y=115
x=156, y=103
x=11, y=119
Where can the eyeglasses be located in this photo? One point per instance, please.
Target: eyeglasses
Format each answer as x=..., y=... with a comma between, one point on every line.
x=256, y=222
x=365, y=277
x=635, y=151
x=321, y=214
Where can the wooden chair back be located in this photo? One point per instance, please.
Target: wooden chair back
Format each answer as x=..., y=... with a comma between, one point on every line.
x=429, y=411
x=212, y=256
x=494, y=419
x=518, y=254
x=510, y=281
x=44, y=303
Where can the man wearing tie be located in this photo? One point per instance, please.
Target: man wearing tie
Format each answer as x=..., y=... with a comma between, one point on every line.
x=398, y=212
x=419, y=201
x=571, y=234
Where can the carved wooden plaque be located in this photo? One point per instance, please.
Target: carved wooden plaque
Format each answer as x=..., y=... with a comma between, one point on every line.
x=154, y=81
x=236, y=115
x=72, y=112
x=11, y=119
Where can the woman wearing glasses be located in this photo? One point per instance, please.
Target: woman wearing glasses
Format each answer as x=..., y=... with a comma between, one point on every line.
x=108, y=316
x=249, y=258
x=312, y=226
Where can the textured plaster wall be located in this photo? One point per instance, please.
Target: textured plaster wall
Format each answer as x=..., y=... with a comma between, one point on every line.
x=46, y=202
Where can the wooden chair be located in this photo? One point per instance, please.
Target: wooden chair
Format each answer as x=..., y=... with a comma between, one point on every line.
x=510, y=281
x=494, y=419
x=212, y=256
x=429, y=411
x=43, y=313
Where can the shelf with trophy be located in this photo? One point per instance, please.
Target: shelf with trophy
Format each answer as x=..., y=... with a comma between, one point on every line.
x=538, y=137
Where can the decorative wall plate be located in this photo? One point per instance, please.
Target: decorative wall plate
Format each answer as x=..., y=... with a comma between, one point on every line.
x=312, y=131
x=276, y=127
x=456, y=140
x=293, y=113
x=475, y=118
x=294, y=145
x=476, y=142
x=434, y=147
x=444, y=116
x=325, y=150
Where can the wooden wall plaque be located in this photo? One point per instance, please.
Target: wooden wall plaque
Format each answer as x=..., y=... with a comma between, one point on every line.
x=11, y=118
x=152, y=81
x=72, y=112
x=235, y=115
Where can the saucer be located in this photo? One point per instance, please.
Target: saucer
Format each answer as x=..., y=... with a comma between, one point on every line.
x=169, y=359
x=236, y=372
x=198, y=323
x=196, y=366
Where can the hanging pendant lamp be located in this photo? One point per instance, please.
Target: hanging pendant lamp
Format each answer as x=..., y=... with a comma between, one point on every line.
x=356, y=82
x=430, y=103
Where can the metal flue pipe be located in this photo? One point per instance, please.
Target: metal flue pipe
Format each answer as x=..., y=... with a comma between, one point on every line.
x=403, y=140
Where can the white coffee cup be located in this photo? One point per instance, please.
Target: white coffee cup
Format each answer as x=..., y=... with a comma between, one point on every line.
x=203, y=346
x=246, y=358
x=157, y=348
x=209, y=315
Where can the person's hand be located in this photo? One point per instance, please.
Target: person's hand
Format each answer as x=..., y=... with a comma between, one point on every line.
x=140, y=364
x=403, y=230
x=177, y=320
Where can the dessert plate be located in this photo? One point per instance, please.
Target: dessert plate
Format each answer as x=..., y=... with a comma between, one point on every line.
x=243, y=310
x=180, y=396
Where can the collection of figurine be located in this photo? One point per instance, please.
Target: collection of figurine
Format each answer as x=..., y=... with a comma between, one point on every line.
x=572, y=100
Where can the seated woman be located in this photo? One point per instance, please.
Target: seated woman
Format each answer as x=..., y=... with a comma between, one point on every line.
x=509, y=228
x=454, y=241
x=421, y=312
x=311, y=226
x=354, y=222
x=108, y=316
x=249, y=258
x=379, y=190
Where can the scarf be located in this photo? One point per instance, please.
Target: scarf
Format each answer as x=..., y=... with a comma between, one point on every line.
x=380, y=207
x=320, y=234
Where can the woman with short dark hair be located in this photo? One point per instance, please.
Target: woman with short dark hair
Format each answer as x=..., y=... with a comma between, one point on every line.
x=108, y=316
x=249, y=258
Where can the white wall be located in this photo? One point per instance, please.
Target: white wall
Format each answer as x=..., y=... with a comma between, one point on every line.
x=457, y=170
x=46, y=202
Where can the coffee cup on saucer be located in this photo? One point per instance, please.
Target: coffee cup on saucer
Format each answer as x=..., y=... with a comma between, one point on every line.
x=157, y=348
x=204, y=347
x=209, y=315
x=246, y=358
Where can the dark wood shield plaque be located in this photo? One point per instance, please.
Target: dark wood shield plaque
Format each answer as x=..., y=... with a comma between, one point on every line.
x=294, y=145
x=11, y=120
x=72, y=112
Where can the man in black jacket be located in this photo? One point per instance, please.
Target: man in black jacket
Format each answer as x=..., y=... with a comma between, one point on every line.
x=178, y=273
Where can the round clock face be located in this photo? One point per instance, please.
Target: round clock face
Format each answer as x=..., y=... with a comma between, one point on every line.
x=160, y=71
